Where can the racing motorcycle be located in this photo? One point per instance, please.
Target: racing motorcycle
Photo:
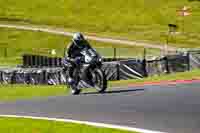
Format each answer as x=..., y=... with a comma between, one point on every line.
x=87, y=72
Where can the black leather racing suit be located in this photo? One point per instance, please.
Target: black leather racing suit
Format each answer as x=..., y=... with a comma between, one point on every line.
x=73, y=52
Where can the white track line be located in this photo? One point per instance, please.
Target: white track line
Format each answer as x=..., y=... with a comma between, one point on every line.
x=100, y=39
x=85, y=122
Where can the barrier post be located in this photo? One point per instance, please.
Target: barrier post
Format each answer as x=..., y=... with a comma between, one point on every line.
x=167, y=64
x=144, y=63
x=188, y=60
x=5, y=49
x=118, y=71
x=115, y=53
x=5, y=52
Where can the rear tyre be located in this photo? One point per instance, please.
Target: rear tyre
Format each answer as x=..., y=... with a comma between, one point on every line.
x=99, y=80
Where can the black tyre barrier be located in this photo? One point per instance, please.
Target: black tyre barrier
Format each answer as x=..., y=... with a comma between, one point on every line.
x=56, y=75
x=157, y=66
x=46, y=70
x=34, y=76
x=168, y=64
x=194, y=59
x=131, y=69
x=176, y=63
x=38, y=61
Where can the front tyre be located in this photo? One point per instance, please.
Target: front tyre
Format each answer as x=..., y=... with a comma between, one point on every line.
x=99, y=80
x=75, y=91
x=74, y=85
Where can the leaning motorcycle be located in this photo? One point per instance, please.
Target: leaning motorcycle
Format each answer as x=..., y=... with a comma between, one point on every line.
x=88, y=72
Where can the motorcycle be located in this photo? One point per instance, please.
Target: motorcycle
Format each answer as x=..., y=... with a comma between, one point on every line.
x=88, y=72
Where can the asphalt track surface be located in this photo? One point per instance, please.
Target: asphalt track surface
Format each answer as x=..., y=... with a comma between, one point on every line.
x=166, y=108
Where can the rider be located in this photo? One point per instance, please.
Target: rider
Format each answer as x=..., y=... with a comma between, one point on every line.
x=73, y=52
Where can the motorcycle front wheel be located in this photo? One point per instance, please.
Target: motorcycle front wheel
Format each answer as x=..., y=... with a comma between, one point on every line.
x=74, y=86
x=99, y=80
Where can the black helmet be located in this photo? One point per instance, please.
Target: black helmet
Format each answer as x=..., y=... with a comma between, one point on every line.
x=78, y=39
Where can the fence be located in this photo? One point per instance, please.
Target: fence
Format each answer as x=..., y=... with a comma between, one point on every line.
x=13, y=56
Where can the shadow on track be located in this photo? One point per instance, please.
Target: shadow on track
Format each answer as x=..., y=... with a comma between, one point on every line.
x=114, y=91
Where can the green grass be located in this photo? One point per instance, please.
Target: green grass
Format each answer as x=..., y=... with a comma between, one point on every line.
x=133, y=19
x=20, y=92
x=14, y=92
x=21, y=125
x=194, y=74
x=19, y=42
x=11, y=61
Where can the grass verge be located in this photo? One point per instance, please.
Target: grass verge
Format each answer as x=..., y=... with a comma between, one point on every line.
x=20, y=92
x=194, y=74
x=16, y=92
x=21, y=125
